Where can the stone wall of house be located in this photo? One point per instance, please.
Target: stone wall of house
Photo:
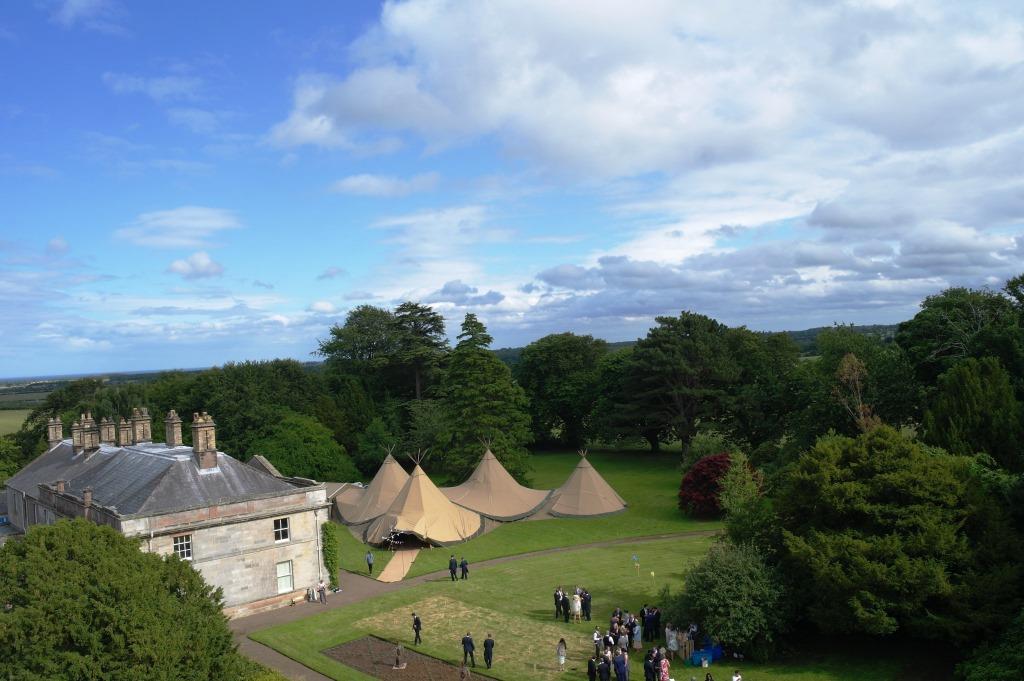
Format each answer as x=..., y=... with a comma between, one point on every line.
x=242, y=557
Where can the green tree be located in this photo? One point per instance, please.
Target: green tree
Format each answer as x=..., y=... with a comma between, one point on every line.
x=735, y=596
x=975, y=410
x=559, y=373
x=421, y=341
x=430, y=426
x=374, y=444
x=762, y=395
x=749, y=516
x=873, y=530
x=86, y=603
x=485, y=405
x=960, y=323
x=998, y=660
x=616, y=416
x=299, y=445
x=680, y=373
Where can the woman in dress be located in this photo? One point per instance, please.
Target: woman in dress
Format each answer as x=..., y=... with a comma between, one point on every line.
x=577, y=607
x=560, y=651
x=665, y=666
x=671, y=642
x=637, y=635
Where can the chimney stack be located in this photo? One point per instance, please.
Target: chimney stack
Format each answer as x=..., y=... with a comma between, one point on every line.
x=76, y=435
x=87, y=501
x=60, y=486
x=54, y=431
x=124, y=433
x=107, y=429
x=204, y=440
x=141, y=426
x=90, y=433
x=172, y=426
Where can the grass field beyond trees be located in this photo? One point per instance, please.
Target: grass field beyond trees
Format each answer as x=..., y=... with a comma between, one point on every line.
x=512, y=601
x=11, y=420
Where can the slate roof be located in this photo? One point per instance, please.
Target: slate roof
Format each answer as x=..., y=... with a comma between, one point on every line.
x=147, y=478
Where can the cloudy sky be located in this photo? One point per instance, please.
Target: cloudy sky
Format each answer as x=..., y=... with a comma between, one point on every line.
x=184, y=184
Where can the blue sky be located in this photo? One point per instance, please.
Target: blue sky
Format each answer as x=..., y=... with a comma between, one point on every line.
x=184, y=184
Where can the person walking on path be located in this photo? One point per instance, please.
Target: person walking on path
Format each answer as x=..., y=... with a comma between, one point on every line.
x=464, y=565
x=488, y=651
x=560, y=652
x=416, y=627
x=321, y=589
x=369, y=562
x=467, y=649
x=453, y=565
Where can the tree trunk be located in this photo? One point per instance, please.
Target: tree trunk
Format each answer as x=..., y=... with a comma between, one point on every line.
x=654, y=442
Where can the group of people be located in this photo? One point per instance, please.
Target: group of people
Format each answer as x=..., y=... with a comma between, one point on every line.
x=455, y=565
x=574, y=604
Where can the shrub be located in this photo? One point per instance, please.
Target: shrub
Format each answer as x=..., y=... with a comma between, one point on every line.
x=698, y=493
x=705, y=443
x=1001, y=660
x=331, y=551
x=86, y=603
x=735, y=597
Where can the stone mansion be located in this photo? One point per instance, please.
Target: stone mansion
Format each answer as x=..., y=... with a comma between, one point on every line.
x=253, y=534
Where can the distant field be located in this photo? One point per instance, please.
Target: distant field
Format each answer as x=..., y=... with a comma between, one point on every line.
x=11, y=419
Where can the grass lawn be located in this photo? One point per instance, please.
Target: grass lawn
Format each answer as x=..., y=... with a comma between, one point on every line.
x=648, y=482
x=513, y=601
x=11, y=419
x=353, y=554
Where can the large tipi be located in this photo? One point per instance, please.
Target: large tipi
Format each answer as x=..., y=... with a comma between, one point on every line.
x=493, y=492
x=585, y=493
x=421, y=510
x=356, y=506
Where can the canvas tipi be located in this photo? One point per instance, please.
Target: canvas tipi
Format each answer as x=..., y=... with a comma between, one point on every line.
x=357, y=506
x=421, y=510
x=493, y=492
x=585, y=493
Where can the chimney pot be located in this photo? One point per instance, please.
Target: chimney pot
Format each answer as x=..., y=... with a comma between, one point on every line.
x=124, y=433
x=172, y=426
x=60, y=486
x=87, y=497
x=54, y=431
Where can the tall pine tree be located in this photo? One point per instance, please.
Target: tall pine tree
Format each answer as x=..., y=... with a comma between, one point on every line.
x=485, y=405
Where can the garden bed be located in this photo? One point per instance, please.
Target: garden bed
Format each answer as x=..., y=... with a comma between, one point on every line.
x=376, y=657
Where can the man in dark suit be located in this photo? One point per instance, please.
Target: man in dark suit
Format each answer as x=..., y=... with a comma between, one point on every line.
x=565, y=607
x=464, y=565
x=488, y=650
x=585, y=604
x=558, y=602
x=453, y=565
x=467, y=649
x=649, y=666
x=592, y=668
x=416, y=627
x=604, y=670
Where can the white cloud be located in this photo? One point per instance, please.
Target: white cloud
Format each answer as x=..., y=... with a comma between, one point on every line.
x=94, y=15
x=184, y=227
x=57, y=246
x=197, y=120
x=197, y=266
x=385, y=185
x=323, y=306
x=332, y=273
x=161, y=89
